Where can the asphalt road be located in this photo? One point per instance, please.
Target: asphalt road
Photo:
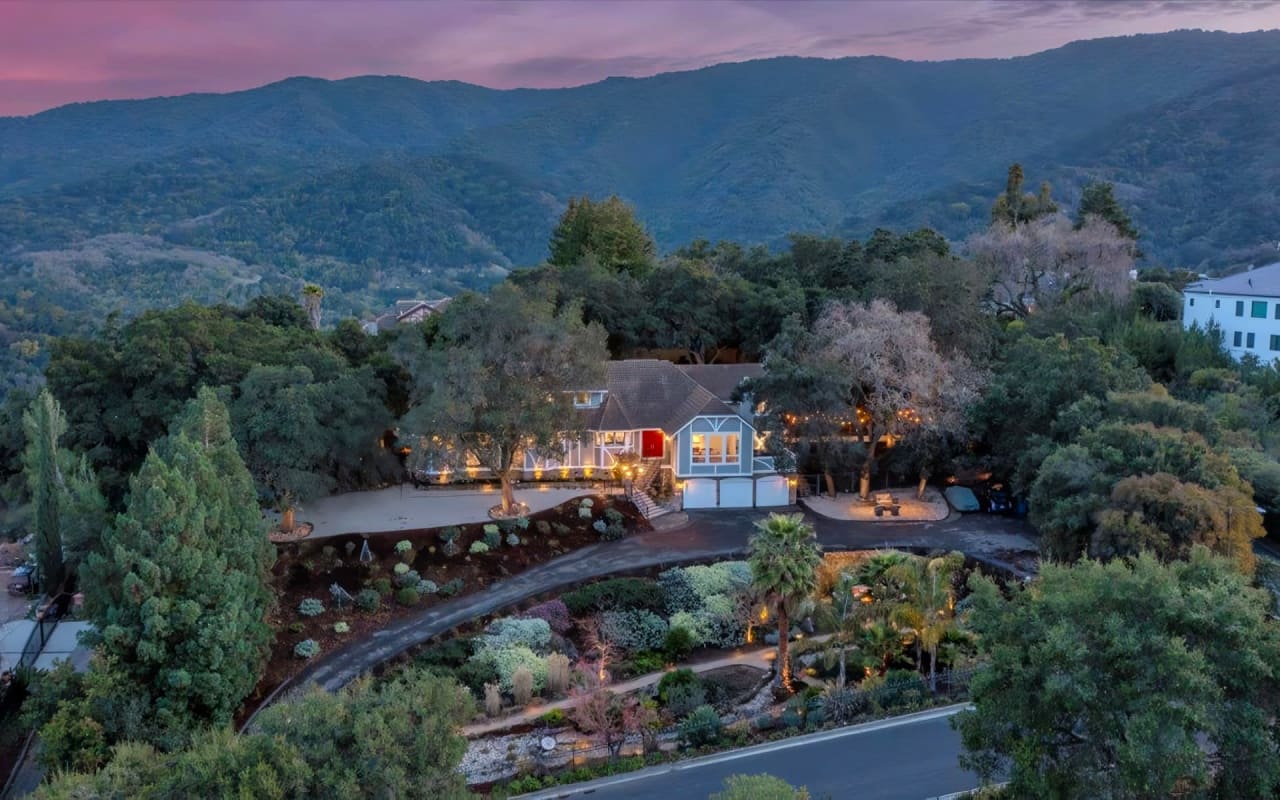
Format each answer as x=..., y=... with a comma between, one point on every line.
x=908, y=758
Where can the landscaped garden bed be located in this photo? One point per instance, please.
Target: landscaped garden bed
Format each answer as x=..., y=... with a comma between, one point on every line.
x=385, y=576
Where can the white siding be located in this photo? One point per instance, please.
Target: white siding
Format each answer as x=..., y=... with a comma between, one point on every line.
x=1203, y=308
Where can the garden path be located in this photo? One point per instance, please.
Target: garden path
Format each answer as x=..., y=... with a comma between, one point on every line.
x=714, y=534
x=761, y=657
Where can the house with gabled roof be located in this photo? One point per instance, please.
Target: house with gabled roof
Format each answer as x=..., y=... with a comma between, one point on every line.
x=672, y=422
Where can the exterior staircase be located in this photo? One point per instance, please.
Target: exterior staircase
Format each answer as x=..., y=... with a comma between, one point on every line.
x=646, y=504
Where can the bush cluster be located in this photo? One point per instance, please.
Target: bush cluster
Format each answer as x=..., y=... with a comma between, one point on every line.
x=633, y=630
x=307, y=648
x=311, y=607
x=615, y=594
x=702, y=727
x=451, y=588
x=368, y=600
x=533, y=633
x=556, y=614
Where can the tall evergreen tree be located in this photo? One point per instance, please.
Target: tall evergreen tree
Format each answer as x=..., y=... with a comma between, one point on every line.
x=1098, y=200
x=44, y=424
x=607, y=232
x=1015, y=207
x=178, y=596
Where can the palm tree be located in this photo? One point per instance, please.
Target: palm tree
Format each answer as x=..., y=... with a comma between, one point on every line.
x=784, y=560
x=846, y=615
x=312, y=295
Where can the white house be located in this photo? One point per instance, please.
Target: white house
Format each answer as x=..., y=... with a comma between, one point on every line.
x=1246, y=306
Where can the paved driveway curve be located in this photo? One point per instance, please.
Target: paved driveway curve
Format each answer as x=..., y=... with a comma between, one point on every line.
x=709, y=534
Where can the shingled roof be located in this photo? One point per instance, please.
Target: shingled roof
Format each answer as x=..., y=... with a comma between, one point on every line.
x=648, y=393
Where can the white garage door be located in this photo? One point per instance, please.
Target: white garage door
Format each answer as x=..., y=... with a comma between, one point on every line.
x=772, y=491
x=699, y=494
x=735, y=493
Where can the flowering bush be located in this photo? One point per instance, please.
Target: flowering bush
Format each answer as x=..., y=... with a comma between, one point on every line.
x=507, y=632
x=479, y=548
x=310, y=607
x=555, y=613
x=307, y=648
x=633, y=630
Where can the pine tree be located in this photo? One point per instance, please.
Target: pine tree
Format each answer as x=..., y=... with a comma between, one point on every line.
x=178, y=595
x=44, y=424
x=1099, y=200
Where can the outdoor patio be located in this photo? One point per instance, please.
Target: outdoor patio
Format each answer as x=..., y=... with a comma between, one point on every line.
x=931, y=508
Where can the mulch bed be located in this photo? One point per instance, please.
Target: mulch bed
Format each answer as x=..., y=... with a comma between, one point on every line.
x=308, y=567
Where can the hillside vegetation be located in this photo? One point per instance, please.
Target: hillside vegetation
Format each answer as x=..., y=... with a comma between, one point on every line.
x=379, y=188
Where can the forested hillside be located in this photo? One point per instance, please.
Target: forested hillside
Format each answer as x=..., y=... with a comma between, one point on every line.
x=378, y=188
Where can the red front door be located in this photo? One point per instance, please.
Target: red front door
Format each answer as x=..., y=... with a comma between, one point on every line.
x=651, y=444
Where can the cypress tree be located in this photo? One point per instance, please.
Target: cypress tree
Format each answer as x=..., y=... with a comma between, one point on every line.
x=178, y=595
x=44, y=424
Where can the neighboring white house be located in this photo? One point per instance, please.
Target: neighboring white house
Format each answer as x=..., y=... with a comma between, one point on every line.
x=1245, y=306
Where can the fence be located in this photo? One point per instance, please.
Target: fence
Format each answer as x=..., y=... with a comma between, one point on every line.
x=801, y=715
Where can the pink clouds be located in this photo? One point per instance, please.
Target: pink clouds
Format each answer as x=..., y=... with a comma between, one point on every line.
x=58, y=52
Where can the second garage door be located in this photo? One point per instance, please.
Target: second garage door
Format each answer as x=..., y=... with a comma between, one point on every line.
x=700, y=493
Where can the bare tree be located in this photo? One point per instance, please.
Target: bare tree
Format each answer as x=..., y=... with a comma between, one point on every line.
x=601, y=712
x=1046, y=261
x=900, y=384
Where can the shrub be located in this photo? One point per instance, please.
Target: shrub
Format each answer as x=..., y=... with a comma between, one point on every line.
x=410, y=578
x=633, y=630
x=491, y=527
x=522, y=686
x=492, y=699
x=841, y=705
x=584, y=512
x=310, y=607
x=613, y=533
x=513, y=540
x=615, y=594
x=553, y=718
x=401, y=568
x=587, y=502
x=543, y=527
x=492, y=537
x=719, y=622
x=382, y=585
x=558, y=673
x=614, y=516
x=555, y=613
x=452, y=587
x=683, y=699
x=449, y=534
x=368, y=600
x=678, y=677
x=533, y=633
x=341, y=627
x=791, y=718
x=677, y=643
x=678, y=591
x=647, y=662
x=691, y=623
x=560, y=528
x=522, y=523
x=425, y=587
x=307, y=648
x=452, y=654
x=296, y=627
x=702, y=727
x=898, y=688
x=763, y=722
x=475, y=673
x=408, y=596
x=506, y=661
x=479, y=547
x=403, y=546
x=600, y=526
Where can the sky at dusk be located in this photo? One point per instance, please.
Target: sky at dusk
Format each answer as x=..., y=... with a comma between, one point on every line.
x=54, y=52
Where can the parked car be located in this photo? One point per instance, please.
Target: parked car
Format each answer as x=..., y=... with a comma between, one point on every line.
x=20, y=582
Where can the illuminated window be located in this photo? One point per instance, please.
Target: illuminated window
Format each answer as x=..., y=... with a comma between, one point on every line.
x=699, y=448
x=587, y=399
x=715, y=448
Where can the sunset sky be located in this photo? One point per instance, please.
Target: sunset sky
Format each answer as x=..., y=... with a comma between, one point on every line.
x=55, y=52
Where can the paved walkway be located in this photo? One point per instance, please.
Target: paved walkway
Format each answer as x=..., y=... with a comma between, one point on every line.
x=406, y=508
x=761, y=658
x=710, y=534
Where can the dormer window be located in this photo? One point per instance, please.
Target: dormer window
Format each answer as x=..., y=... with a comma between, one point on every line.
x=588, y=399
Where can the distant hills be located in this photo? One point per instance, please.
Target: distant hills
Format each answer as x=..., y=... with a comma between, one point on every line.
x=386, y=187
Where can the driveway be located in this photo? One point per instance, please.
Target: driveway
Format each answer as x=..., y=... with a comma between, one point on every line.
x=406, y=508
x=710, y=534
